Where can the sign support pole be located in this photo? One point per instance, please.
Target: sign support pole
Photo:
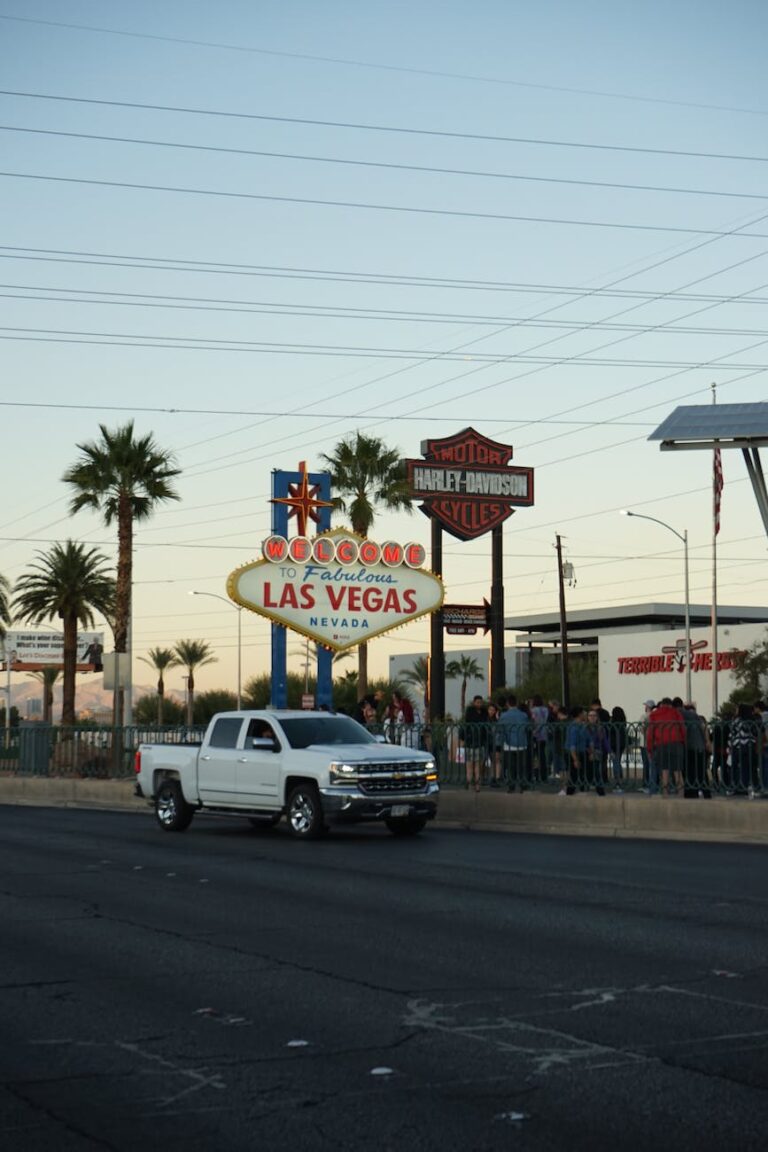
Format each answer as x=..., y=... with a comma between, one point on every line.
x=437, y=645
x=7, y=699
x=280, y=517
x=498, y=670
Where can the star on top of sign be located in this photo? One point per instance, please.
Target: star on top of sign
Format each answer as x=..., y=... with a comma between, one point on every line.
x=302, y=501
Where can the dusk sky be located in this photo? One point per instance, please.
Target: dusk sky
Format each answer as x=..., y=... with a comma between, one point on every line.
x=255, y=229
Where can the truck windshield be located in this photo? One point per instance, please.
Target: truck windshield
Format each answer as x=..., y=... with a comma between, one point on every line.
x=303, y=731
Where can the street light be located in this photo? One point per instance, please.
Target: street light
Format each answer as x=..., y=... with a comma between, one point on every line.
x=684, y=537
x=239, y=610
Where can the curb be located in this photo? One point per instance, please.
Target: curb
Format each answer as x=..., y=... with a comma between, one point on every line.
x=721, y=819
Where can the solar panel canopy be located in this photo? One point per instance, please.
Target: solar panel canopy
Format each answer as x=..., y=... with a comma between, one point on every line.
x=714, y=425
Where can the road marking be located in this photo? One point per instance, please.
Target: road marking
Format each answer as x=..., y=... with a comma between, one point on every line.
x=518, y=1037
x=199, y=1079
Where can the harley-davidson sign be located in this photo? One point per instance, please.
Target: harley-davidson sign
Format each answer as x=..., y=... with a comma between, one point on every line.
x=337, y=588
x=466, y=482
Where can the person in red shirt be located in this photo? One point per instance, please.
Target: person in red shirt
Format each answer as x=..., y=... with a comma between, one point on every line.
x=665, y=740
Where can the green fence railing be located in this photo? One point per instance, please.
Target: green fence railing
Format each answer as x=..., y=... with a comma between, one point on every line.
x=82, y=752
x=610, y=757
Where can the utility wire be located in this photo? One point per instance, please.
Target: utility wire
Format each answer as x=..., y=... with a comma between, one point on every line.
x=332, y=311
x=172, y=264
x=372, y=207
x=305, y=158
x=392, y=67
x=206, y=344
x=359, y=127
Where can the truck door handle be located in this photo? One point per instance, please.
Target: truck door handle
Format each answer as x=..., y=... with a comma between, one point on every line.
x=205, y=757
x=243, y=760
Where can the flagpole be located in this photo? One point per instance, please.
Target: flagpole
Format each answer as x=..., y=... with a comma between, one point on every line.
x=716, y=485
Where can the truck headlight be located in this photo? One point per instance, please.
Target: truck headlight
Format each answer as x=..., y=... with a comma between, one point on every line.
x=342, y=773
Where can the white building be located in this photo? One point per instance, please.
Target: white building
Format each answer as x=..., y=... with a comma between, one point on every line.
x=640, y=652
x=641, y=649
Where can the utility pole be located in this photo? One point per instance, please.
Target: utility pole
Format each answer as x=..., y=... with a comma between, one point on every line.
x=565, y=680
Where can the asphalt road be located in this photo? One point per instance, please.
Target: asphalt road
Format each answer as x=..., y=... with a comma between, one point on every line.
x=232, y=989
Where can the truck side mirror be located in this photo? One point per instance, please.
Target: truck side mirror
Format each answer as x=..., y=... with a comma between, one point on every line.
x=264, y=744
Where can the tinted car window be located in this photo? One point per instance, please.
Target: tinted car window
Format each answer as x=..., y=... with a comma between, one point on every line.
x=225, y=732
x=303, y=731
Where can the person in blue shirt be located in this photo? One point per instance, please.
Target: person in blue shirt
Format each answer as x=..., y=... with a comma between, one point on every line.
x=515, y=724
x=580, y=750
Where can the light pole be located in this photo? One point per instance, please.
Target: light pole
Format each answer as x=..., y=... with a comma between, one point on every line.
x=684, y=537
x=239, y=611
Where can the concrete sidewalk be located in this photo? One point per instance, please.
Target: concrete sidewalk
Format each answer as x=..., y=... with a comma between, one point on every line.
x=631, y=815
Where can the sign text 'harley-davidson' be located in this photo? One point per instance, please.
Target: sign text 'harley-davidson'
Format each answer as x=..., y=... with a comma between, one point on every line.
x=467, y=483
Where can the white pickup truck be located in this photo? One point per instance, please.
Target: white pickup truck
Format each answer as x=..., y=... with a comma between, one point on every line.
x=315, y=768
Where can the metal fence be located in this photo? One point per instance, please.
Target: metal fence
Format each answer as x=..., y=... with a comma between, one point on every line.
x=82, y=752
x=610, y=757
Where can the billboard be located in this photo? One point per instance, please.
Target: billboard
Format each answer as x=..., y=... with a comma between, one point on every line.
x=36, y=651
x=337, y=588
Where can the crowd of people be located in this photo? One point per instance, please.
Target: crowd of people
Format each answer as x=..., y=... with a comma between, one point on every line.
x=396, y=718
x=519, y=745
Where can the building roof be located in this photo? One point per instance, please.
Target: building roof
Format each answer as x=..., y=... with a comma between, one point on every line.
x=584, y=625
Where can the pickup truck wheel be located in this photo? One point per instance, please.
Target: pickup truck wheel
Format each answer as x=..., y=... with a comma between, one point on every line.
x=172, y=812
x=265, y=821
x=305, y=812
x=408, y=826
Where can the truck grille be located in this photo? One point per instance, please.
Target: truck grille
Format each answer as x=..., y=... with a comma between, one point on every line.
x=375, y=779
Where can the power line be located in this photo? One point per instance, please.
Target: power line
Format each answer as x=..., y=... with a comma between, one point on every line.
x=398, y=208
x=359, y=127
x=172, y=264
x=207, y=344
x=255, y=413
x=333, y=311
x=398, y=68
x=391, y=166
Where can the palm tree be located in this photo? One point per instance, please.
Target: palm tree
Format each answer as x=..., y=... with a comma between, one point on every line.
x=69, y=582
x=192, y=654
x=47, y=678
x=466, y=668
x=5, y=608
x=124, y=479
x=160, y=659
x=366, y=473
x=418, y=675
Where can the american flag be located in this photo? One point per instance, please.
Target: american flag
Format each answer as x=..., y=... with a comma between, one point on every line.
x=718, y=487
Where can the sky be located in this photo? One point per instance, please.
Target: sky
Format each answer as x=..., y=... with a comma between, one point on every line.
x=255, y=229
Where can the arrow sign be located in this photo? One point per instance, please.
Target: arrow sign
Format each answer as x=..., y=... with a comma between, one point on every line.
x=459, y=618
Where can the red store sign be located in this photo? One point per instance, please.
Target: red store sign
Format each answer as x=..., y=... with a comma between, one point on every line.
x=673, y=660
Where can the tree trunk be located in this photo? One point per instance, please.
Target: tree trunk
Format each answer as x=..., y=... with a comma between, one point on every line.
x=190, y=699
x=68, y=672
x=160, y=698
x=362, y=671
x=124, y=572
x=123, y=588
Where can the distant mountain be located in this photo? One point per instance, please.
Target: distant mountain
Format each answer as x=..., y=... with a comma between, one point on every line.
x=90, y=696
